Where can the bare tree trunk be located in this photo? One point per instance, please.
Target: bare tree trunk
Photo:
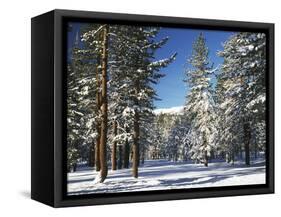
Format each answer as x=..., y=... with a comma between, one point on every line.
x=126, y=152
x=92, y=156
x=247, y=138
x=113, y=160
x=256, y=146
x=136, y=145
x=233, y=158
x=98, y=104
x=120, y=157
x=142, y=155
x=247, y=132
x=136, y=136
x=103, y=137
x=206, y=159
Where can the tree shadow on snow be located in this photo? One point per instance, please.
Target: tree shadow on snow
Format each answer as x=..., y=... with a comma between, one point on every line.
x=148, y=180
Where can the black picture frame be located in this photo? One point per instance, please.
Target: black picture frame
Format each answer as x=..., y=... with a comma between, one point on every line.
x=48, y=180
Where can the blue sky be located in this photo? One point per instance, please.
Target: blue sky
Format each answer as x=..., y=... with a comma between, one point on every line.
x=171, y=89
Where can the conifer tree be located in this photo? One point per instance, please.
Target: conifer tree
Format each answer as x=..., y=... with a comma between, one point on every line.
x=200, y=107
x=242, y=84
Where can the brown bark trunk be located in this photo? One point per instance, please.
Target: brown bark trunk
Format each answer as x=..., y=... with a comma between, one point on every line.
x=256, y=146
x=126, y=152
x=247, y=138
x=136, y=136
x=103, y=137
x=136, y=145
x=113, y=160
x=206, y=159
x=92, y=156
x=120, y=157
x=232, y=157
x=98, y=104
x=142, y=154
x=247, y=133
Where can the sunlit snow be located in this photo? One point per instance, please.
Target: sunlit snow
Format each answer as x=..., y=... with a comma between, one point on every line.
x=162, y=174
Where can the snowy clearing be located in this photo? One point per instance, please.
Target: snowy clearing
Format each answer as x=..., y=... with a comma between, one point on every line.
x=162, y=174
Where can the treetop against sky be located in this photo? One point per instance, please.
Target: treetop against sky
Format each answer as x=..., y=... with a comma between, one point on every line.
x=171, y=89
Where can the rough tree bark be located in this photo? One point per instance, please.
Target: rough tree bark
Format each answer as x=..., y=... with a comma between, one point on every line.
x=92, y=156
x=206, y=159
x=98, y=105
x=103, y=137
x=246, y=128
x=136, y=137
x=247, y=138
x=126, y=152
x=120, y=157
x=136, y=145
x=114, y=146
x=142, y=155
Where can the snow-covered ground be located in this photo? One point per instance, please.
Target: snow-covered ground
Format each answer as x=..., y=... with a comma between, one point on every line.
x=161, y=174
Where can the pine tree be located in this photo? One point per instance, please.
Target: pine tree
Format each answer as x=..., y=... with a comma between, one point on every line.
x=92, y=51
x=132, y=74
x=242, y=81
x=200, y=107
x=114, y=147
x=96, y=39
x=103, y=138
x=126, y=56
x=81, y=86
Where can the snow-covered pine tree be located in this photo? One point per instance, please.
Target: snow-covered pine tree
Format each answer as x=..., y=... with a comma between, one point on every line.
x=164, y=124
x=242, y=85
x=133, y=73
x=200, y=107
x=129, y=56
x=157, y=141
x=146, y=73
x=177, y=143
x=81, y=86
x=72, y=118
x=97, y=38
x=92, y=51
x=228, y=117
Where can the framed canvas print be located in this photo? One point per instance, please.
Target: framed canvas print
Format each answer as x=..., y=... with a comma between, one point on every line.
x=133, y=108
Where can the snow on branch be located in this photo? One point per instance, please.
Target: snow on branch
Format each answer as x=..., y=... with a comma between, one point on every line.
x=162, y=63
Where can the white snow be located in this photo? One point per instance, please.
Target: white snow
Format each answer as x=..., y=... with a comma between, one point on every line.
x=162, y=174
x=172, y=110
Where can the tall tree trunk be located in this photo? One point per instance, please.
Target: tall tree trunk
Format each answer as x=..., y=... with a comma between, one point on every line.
x=233, y=158
x=98, y=105
x=120, y=157
x=136, y=145
x=228, y=158
x=136, y=136
x=113, y=160
x=126, y=152
x=92, y=156
x=206, y=159
x=240, y=152
x=256, y=146
x=247, y=138
x=246, y=128
x=103, y=137
x=142, y=154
